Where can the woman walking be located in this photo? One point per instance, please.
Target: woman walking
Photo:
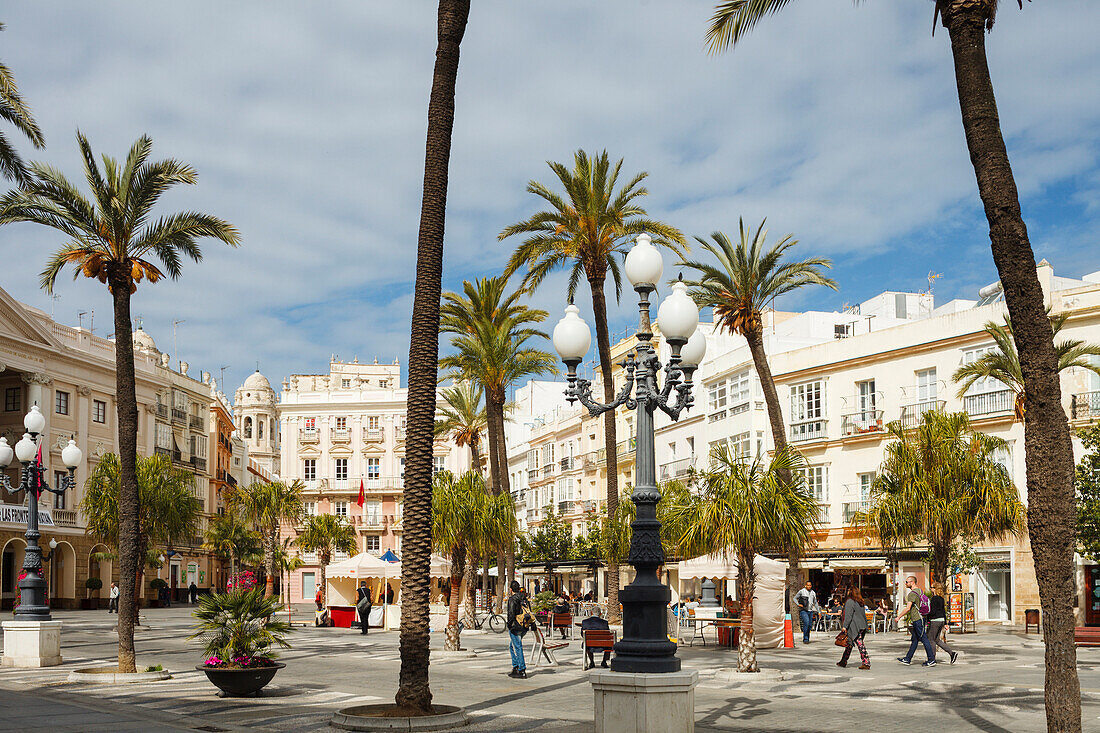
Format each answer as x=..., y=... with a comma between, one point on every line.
x=854, y=621
x=937, y=620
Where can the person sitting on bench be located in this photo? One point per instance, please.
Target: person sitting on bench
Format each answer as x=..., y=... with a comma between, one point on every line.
x=593, y=623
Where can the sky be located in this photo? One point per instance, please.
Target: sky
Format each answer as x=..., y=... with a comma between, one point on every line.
x=306, y=122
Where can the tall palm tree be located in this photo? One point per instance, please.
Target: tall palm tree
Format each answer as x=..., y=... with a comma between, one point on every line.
x=463, y=418
x=326, y=534
x=586, y=231
x=746, y=280
x=491, y=330
x=287, y=563
x=413, y=690
x=494, y=534
x=167, y=509
x=743, y=508
x=1003, y=363
x=939, y=483
x=112, y=238
x=1051, y=514
x=15, y=110
x=455, y=518
x=267, y=504
x=229, y=536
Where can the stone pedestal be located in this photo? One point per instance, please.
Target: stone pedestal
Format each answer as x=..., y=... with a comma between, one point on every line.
x=640, y=703
x=32, y=643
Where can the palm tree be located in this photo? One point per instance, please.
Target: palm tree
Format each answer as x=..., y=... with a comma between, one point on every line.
x=491, y=331
x=495, y=534
x=267, y=504
x=168, y=508
x=586, y=231
x=454, y=520
x=111, y=238
x=939, y=483
x=287, y=565
x=326, y=534
x=747, y=280
x=744, y=508
x=464, y=419
x=413, y=691
x=14, y=110
x=1046, y=430
x=1003, y=363
x=230, y=537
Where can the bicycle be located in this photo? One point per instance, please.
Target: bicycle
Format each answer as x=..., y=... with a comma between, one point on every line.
x=494, y=619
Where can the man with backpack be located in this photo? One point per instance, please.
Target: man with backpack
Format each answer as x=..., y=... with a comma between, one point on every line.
x=916, y=607
x=518, y=620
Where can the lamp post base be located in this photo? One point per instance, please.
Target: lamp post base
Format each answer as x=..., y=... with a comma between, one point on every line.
x=31, y=643
x=638, y=703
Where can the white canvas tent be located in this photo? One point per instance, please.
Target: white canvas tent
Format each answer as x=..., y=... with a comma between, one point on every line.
x=343, y=578
x=767, y=605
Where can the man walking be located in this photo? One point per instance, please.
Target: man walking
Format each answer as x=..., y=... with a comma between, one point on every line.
x=516, y=621
x=112, y=605
x=193, y=593
x=363, y=605
x=911, y=612
x=806, y=600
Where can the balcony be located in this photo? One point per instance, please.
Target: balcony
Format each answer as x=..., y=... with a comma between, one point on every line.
x=197, y=423
x=373, y=435
x=823, y=514
x=64, y=517
x=566, y=463
x=162, y=411
x=161, y=451
x=341, y=435
x=179, y=415
x=399, y=432
x=911, y=415
x=339, y=484
x=591, y=505
x=309, y=435
x=565, y=507
x=532, y=474
x=861, y=423
x=1001, y=402
x=851, y=507
x=1085, y=406
x=801, y=432
x=199, y=464
x=548, y=470
x=677, y=469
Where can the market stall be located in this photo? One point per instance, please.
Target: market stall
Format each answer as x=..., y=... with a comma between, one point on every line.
x=344, y=577
x=767, y=606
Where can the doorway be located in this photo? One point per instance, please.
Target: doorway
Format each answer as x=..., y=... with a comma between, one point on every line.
x=997, y=585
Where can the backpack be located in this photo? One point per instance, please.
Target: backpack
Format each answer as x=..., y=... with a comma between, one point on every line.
x=924, y=606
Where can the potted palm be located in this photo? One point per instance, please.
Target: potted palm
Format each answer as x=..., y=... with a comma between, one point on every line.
x=239, y=634
x=89, y=603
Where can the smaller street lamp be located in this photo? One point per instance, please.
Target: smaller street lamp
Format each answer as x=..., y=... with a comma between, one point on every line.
x=32, y=588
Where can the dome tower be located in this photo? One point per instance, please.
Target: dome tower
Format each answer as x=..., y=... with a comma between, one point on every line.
x=254, y=411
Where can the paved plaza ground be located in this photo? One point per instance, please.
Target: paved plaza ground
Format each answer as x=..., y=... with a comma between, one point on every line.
x=995, y=686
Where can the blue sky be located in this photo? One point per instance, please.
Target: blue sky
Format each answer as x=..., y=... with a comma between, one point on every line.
x=306, y=123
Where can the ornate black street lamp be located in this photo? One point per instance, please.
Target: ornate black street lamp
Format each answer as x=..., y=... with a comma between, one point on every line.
x=645, y=646
x=32, y=588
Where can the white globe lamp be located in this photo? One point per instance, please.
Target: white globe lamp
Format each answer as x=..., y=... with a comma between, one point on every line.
x=6, y=453
x=71, y=455
x=678, y=316
x=25, y=449
x=572, y=336
x=644, y=265
x=34, y=422
x=691, y=356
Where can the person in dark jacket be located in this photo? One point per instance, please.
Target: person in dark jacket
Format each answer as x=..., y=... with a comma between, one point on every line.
x=363, y=605
x=593, y=623
x=389, y=593
x=937, y=620
x=853, y=619
x=193, y=593
x=562, y=606
x=515, y=615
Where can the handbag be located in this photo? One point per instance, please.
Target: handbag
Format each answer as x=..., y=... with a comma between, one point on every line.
x=842, y=638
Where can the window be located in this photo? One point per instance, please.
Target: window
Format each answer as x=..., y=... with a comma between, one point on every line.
x=310, y=423
x=866, y=399
x=741, y=446
x=384, y=383
x=99, y=411
x=341, y=423
x=309, y=469
x=374, y=543
x=565, y=489
x=248, y=427
x=714, y=447
x=58, y=481
x=926, y=385
x=1003, y=457
x=341, y=509
x=548, y=454
x=341, y=469
x=163, y=435
x=817, y=481
x=438, y=464
x=61, y=403
x=374, y=468
x=309, y=585
x=13, y=399
x=401, y=465
x=374, y=512
x=717, y=396
x=740, y=390
x=985, y=384
x=179, y=400
x=345, y=384
x=866, y=481
x=198, y=446
x=532, y=460
x=807, y=402
x=374, y=422
x=260, y=429
x=310, y=508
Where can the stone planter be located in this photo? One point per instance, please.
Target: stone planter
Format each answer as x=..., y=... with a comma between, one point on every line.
x=111, y=676
x=240, y=682
x=374, y=717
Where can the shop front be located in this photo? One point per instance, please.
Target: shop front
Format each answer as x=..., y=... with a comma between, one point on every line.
x=992, y=585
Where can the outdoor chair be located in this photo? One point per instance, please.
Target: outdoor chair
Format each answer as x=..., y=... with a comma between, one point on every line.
x=597, y=640
x=561, y=621
x=541, y=648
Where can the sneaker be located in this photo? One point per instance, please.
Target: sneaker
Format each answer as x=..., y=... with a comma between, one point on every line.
x=605, y=665
x=903, y=660
x=929, y=663
x=842, y=664
x=514, y=672
x=522, y=674
x=864, y=666
x=954, y=656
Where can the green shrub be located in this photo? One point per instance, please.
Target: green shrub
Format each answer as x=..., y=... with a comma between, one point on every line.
x=237, y=629
x=154, y=668
x=93, y=583
x=543, y=601
x=158, y=583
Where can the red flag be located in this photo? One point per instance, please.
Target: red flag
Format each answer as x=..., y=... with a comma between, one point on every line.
x=362, y=497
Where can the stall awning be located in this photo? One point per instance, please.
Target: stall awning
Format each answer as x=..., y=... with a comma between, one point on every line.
x=858, y=563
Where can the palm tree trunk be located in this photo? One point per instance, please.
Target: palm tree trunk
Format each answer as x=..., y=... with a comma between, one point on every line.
x=1051, y=514
x=458, y=569
x=746, y=590
x=506, y=565
x=413, y=691
x=232, y=565
x=941, y=554
x=603, y=346
x=324, y=580
x=128, y=499
x=270, y=563
x=470, y=582
x=475, y=457
x=495, y=439
x=755, y=339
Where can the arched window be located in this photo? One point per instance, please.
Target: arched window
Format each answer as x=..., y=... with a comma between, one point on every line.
x=260, y=429
x=272, y=431
x=248, y=427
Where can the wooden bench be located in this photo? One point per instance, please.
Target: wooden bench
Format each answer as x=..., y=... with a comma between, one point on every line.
x=1086, y=636
x=541, y=648
x=561, y=621
x=598, y=640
